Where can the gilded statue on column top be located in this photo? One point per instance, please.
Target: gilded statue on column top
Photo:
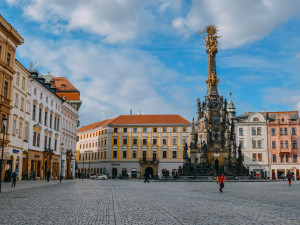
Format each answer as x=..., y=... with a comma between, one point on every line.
x=211, y=42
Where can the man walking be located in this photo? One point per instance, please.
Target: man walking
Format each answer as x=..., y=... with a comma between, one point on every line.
x=221, y=181
x=14, y=177
x=289, y=177
x=48, y=175
x=146, y=178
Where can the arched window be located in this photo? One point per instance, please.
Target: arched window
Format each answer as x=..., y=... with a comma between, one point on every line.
x=255, y=119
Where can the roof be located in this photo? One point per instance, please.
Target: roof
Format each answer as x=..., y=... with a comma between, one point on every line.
x=71, y=96
x=62, y=84
x=137, y=119
x=94, y=125
x=149, y=119
x=293, y=115
x=10, y=31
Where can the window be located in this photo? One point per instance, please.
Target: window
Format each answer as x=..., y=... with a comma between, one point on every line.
x=154, y=141
x=174, y=141
x=51, y=116
x=259, y=156
x=57, y=125
x=144, y=130
x=174, y=154
x=115, y=130
x=14, y=127
x=46, y=99
x=253, y=131
x=5, y=92
x=34, y=139
x=55, y=120
x=255, y=119
x=273, y=131
x=282, y=120
x=51, y=102
x=294, y=143
x=253, y=144
x=45, y=141
x=49, y=143
x=41, y=95
x=22, y=104
x=184, y=130
x=134, y=155
x=55, y=145
x=287, y=157
x=144, y=141
x=164, y=154
x=273, y=144
x=281, y=144
x=241, y=142
x=20, y=129
x=285, y=131
x=286, y=144
x=174, y=129
x=115, y=154
x=241, y=131
x=125, y=141
x=8, y=59
x=282, y=158
x=254, y=157
x=16, y=100
x=134, y=141
x=135, y=130
x=293, y=131
x=183, y=141
x=164, y=141
x=40, y=115
x=23, y=83
x=33, y=111
x=259, y=144
x=294, y=158
x=164, y=130
x=115, y=141
x=281, y=131
x=46, y=117
x=38, y=140
x=274, y=158
x=124, y=154
x=144, y=155
x=125, y=130
x=154, y=130
x=259, y=131
x=34, y=91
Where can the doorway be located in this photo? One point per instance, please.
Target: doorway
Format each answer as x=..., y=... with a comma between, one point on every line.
x=217, y=165
x=114, y=173
x=149, y=171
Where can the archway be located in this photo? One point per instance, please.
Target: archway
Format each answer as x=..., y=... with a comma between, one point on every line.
x=149, y=171
x=114, y=173
x=217, y=165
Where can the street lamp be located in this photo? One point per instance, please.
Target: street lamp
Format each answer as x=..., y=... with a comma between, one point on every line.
x=61, y=151
x=83, y=167
x=3, y=127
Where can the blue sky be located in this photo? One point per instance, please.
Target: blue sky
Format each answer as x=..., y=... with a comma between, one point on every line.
x=145, y=56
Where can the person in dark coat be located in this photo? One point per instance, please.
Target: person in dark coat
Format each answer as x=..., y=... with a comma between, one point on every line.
x=146, y=178
x=48, y=175
x=221, y=181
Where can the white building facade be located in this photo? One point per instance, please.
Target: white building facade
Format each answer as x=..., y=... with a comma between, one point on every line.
x=251, y=134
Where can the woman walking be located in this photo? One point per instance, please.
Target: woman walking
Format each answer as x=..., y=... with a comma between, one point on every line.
x=221, y=181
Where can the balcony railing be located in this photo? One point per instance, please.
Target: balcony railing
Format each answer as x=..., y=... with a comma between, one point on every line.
x=147, y=159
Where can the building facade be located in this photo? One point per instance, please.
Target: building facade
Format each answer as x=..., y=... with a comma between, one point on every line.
x=44, y=130
x=9, y=41
x=284, y=141
x=252, y=134
x=69, y=122
x=132, y=145
x=18, y=120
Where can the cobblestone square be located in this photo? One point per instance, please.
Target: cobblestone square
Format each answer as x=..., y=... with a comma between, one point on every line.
x=134, y=202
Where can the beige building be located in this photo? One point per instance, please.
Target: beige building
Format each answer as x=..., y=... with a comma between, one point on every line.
x=9, y=41
x=132, y=145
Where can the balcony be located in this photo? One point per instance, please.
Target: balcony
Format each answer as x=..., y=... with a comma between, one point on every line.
x=149, y=160
x=285, y=150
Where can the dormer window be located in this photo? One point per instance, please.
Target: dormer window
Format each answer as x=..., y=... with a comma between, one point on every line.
x=282, y=120
x=255, y=119
x=63, y=85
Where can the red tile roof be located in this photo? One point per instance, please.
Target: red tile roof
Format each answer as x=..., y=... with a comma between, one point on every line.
x=75, y=96
x=137, y=119
x=62, y=84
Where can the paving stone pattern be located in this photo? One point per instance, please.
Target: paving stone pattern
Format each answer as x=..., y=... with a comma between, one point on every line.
x=134, y=202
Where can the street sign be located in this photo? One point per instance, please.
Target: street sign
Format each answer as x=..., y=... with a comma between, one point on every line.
x=16, y=151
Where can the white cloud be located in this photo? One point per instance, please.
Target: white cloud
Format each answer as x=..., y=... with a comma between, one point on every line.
x=112, y=82
x=239, y=22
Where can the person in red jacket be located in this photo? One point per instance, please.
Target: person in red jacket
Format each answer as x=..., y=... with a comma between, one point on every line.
x=221, y=181
x=289, y=177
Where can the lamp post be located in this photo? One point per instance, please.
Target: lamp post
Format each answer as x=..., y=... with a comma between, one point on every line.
x=83, y=167
x=61, y=151
x=4, y=122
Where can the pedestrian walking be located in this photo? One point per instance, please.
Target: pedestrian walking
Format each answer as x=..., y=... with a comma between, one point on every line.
x=14, y=177
x=221, y=181
x=217, y=179
x=48, y=175
x=289, y=177
x=146, y=178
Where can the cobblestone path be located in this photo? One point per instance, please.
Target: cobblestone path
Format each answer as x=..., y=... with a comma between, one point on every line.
x=134, y=202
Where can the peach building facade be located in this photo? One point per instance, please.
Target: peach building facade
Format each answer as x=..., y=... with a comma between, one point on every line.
x=284, y=143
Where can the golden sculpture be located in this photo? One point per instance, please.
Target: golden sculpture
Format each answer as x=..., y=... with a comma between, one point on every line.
x=212, y=80
x=211, y=42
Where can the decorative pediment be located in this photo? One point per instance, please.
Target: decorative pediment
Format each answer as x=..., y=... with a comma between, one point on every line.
x=37, y=128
